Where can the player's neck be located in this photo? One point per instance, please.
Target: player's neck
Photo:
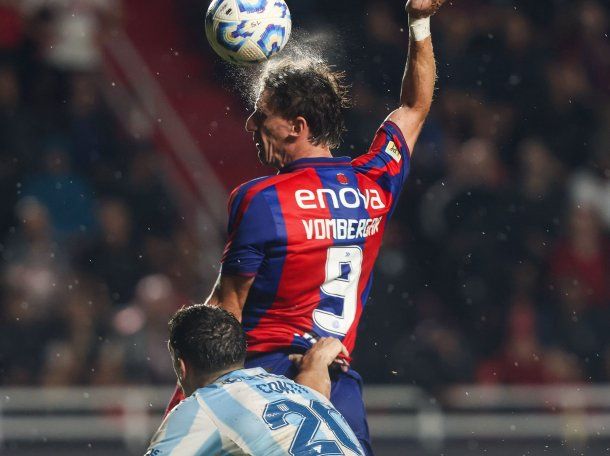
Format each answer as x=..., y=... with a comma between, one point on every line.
x=207, y=379
x=308, y=151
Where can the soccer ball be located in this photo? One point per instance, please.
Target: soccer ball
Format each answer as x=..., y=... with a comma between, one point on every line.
x=247, y=31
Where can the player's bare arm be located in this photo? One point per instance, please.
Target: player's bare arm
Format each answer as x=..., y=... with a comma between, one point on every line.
x=314, y=364
x=420, y=72
x=230, y=293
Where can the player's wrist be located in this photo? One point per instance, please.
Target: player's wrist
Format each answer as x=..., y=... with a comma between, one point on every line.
x=419, y=27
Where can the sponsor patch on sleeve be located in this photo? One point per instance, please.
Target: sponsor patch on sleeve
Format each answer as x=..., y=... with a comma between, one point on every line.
x=393, y=151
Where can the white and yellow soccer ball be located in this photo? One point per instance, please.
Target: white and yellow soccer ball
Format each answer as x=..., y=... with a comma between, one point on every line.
x=247, y=31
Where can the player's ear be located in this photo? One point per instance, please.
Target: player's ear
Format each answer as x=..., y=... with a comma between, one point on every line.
x=299, y=127
x=181, y=369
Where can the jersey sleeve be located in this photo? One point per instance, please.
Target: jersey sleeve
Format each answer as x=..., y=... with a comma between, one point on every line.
x=387, y=161
x=186, y=431
x=251, y=228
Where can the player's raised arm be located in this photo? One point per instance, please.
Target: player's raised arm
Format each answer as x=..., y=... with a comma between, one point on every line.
x=420, y=72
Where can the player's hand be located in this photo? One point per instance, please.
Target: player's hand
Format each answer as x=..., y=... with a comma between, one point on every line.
x=423, y=8
x=323, y=353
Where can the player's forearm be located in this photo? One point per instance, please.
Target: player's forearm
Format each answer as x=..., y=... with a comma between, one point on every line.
x=419, y=77
x=315, y=377
x=417, y=85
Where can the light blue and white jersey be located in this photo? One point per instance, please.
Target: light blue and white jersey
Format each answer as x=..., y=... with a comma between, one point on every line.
x=252, y=412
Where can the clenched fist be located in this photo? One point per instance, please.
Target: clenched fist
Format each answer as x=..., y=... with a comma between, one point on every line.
x=423, y=8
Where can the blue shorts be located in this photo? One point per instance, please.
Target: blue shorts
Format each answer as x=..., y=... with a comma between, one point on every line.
x=345, y=393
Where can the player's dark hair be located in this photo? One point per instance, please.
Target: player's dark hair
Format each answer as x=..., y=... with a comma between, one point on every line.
x=208, y=338
x=311, y=89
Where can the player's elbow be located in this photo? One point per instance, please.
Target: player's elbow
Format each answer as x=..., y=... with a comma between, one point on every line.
x=417, y=109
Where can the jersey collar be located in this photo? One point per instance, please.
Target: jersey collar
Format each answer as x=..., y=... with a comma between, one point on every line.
x=243, y=372
x=316, y=162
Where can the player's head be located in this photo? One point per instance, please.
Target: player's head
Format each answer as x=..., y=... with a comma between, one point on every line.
x=301, y=104
x=205, y=341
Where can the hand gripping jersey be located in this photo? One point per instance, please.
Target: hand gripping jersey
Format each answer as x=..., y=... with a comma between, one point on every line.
x=251, y=412
x=310, y=235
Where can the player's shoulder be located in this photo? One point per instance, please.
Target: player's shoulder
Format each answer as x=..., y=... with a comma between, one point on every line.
x=389, y=152
x=242, y=195
x=392, y=138
x=248, y=187
x=185, y=411
x=254, y=187
x=392, y=128
x=185, y=404
x=232, y=392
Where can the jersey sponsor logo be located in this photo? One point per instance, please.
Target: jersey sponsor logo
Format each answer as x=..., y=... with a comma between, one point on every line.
x=393, y=151
x=341, y=228
x=348, y=197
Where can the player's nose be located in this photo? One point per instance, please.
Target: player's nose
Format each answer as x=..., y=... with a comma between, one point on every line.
x=251, y=124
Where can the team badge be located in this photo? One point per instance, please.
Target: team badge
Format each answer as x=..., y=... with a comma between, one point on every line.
x=342, y=178
x=393, y=151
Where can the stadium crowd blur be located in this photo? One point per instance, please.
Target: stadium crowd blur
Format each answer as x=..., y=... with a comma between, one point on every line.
x=495, y=269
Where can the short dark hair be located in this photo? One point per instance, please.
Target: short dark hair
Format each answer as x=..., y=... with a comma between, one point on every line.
x=311, y=89
x=207, y=337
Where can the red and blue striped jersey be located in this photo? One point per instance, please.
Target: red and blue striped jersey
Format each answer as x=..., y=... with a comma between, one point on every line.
x=310, y=235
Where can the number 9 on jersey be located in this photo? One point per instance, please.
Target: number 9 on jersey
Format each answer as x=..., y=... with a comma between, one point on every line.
x=343, y=268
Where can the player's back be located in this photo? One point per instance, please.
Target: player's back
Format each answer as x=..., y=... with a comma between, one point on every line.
x=251, y=412
x=311, y=236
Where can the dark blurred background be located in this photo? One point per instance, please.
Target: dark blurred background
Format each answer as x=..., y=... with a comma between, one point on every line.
x=495, y=268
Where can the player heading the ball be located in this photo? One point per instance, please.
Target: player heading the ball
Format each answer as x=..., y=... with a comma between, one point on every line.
x=302, y=244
